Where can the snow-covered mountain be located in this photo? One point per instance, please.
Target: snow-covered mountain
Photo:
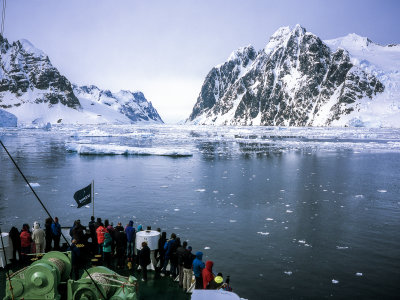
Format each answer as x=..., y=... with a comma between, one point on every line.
x=34, y=91
x=300, y=80
x=124, y=106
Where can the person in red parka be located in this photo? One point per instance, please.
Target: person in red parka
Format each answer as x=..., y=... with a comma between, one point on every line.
x=100, y=231
x=207, y=274
x=26, y=241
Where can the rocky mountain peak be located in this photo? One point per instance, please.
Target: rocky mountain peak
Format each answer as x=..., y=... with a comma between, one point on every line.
x=297, y=80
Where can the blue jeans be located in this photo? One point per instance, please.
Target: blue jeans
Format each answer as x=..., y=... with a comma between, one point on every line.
x=130, y=249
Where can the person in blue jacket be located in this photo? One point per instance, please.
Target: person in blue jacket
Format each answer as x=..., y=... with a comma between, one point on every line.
x=130, y=236
x=169, y=245
x=198, y=266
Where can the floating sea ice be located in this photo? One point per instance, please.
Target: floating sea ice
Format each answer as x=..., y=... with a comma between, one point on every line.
x=164, y=186
x=269, y=219
x=72, y=205
x=334, y=281
x=287, y=205
x=263, y=233
x=215, y=192
x=176, y=209
x=16, y=217
x=231, y=194
x=207, y=248
x=359, y=274
x=87, y=206
x=302, y=241
x=288, y=272
x=289, y=211
x=382, y=191
x=232, y=221
x=282, y=190
x=200, y=190
x=34, y=184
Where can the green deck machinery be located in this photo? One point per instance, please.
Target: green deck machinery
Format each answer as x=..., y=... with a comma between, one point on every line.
x=40, y=281
x=112, y=286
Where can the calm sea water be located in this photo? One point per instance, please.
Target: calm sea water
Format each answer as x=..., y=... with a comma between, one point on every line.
x=287, y=213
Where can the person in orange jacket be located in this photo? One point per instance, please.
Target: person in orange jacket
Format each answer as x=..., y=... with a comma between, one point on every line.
x=207, y=274
x=100, y=231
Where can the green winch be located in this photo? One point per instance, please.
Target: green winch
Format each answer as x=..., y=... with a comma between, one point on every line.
x=40, y=281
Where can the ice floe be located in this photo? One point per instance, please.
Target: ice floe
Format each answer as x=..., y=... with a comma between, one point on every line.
x=288, y=272
x=382, y=191
x=263, y=233
x=359, y=274
x=108, y=149
x=34, y=184
x=334, y=281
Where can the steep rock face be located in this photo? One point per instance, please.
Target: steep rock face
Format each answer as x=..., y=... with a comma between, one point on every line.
x=297, y=80
x=133, y=105
x=27, y=76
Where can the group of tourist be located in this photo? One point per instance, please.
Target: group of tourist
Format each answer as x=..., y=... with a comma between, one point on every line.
x=35, y=240
x=109, y=243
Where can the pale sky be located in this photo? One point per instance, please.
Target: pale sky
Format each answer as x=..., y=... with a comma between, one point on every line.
x=166, y=48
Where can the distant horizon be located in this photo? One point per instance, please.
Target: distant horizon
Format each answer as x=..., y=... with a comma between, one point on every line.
x=165, y=50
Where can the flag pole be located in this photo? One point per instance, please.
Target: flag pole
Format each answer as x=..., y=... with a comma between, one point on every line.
x=93, y=196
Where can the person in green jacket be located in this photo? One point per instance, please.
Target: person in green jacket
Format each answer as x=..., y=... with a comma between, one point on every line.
x=107, y=250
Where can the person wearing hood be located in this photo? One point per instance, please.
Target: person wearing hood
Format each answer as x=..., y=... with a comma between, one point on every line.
x=207, y=274
x=39, y=237
x=107, y=249
x=130, y=237
x=140, y=228
x=198, y=266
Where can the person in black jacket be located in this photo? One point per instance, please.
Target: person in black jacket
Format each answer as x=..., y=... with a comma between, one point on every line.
x=161, y=250
x=180, y=251
x=187, y=259
x=93, y=236
x=120, y=245
x=16, y=243
x=48, y=233
x=144, y=259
